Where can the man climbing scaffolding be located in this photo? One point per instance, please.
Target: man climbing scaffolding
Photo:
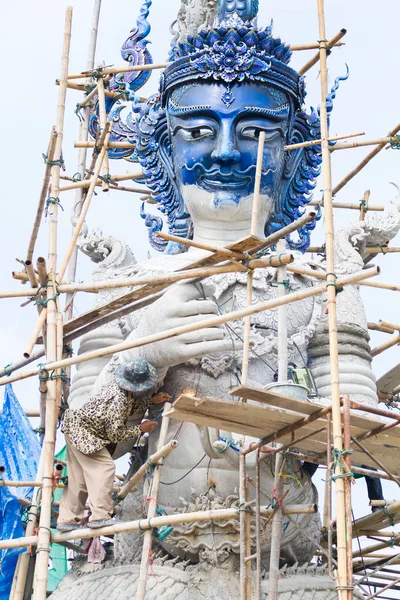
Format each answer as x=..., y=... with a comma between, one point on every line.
x=92, y=434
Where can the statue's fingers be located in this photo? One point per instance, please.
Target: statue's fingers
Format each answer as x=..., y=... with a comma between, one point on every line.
x=210, y=347
x=178, y=322
x=202, y=335
x=193, y=291
x=195, y=307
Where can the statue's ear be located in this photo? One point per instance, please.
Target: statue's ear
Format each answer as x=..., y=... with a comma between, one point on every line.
x=293, y=157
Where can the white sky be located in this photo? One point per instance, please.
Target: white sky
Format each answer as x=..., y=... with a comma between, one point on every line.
x=30, y=44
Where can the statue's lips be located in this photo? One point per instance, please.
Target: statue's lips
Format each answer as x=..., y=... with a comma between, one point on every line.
x=226, y=182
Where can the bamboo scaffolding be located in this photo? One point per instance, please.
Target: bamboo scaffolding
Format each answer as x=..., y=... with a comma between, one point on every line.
x=382, y=286
x=376, y=461
x=379, y=327
x=152, y=461
x=314, y=46
x=113, y=70
x=151, y=511
x=373, y=207
x=335, y=41
x=258, y=527
x=343, y=575
x=363, y=163
x=52, y=401
x=86, y=183
x=387, y=587
x=318, y=142
x=103, y=121
x=276, y=533
x=43, y=195
x=143, y=524
x=376, y=142
x=347, y=488
x=393, y=326
x=369, y=250
x=231, y=316
x=30, y=271
x=42, y=271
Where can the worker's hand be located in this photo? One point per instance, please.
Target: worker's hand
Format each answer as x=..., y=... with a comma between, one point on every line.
x=161, y=397
x=148, y=426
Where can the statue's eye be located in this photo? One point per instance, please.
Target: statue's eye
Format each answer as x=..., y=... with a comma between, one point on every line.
x=195, y=133
x=254, y=133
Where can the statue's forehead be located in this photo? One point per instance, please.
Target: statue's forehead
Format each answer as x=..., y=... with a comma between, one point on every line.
x=245, y=95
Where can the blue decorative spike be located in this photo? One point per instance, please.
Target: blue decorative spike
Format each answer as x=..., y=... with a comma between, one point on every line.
x=246, y=10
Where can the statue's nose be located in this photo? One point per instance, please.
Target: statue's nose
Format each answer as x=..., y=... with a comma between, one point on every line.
x=226, y=150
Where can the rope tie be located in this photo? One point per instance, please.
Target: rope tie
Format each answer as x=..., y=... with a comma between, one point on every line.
x=106, y=178
x=59, y=162
x=97, y=73
x=243, y=508
x=338, y=463
x=364, y=205
x=338, y=288
x=229, y=443
x=89, y=88
x=76, y=177
x=5, y=374
x=395, y=141
x=39, y=430
x=49, y=201
x=389, y=516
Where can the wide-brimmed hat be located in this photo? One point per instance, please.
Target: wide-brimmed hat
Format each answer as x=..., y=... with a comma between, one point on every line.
x=136, y=376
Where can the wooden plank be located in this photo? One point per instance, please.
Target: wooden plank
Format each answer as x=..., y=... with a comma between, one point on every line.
x=389, y=381
x=244, y=245
x=209, y=421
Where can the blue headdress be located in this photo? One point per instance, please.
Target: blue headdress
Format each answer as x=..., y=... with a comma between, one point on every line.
x=234, y=49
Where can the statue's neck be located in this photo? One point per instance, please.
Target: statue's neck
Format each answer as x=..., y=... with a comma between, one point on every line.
x=220, y=233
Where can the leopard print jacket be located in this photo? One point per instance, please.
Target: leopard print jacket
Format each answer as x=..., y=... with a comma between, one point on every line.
x=101, y=422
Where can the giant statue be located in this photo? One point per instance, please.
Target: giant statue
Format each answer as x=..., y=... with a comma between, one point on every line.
x=196, y=141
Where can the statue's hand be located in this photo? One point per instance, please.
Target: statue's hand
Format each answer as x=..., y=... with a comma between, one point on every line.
x=184, y=304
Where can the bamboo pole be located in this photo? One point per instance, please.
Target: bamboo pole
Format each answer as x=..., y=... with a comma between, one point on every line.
x=86, y=183
x=388, y=325
x=376, y=461
x=363, y=163
x=175, y=276
x=43, y=195
x=152, y=461
x=113, y=70
x=42, y=271
x=376, y=142
x=387, y=587
x=365, y=205
x=373, y=207
x=347, y=488
x=385, y=346
x=143, y=524
x=103, y=121
x=276, y=533
x=85, y=208
x=258, y=527
x=219, y=320
x=20, y=276
x=30, y=271
x=328, y=492
x=369, y=250
x=192, y=244
x=82, y=154
x=382, y=286
x=332, y=42
x=318, y=142
x=314, y=46
x=332, y=322
x=379, y=327
x=151, y=512
x=52, y=401
x=244, y=571
x=38, y=326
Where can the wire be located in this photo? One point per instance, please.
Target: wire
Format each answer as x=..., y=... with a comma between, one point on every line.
x=186, y=474
x=360, y=550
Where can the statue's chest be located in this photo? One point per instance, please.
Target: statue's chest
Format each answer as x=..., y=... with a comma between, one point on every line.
x=231, y=295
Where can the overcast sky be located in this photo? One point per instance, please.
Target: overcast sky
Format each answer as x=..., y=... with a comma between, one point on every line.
x=30, y=44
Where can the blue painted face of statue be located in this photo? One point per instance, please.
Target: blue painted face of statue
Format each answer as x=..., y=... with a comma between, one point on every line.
x=215, y=133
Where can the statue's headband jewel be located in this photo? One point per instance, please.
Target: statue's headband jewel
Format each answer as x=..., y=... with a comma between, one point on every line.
x=228, y=97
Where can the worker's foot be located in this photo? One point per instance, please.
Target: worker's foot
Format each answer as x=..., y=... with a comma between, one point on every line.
x=102, y=523
x=68, y=526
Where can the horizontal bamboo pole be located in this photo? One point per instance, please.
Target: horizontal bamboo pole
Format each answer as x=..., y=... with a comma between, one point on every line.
x=144, y=524
x=30, y=412
x=86, y=184
x=17, y=484
x=381, y=286
x=393, y=326
x=387, y=534
x=95, y=286
x=313, y=46
x=110, y=144
x=376, y=142
x=372, y=207
x=318, y=142
x=363, y=163
x=375, y=547
x=213, y=322
x=112, y=70
x=321, y=460
x=149, y=464
x=385, y=346
x=378, y=327
x=20, y=276
x=8, y=369
x=368, y=249
x=335, y=41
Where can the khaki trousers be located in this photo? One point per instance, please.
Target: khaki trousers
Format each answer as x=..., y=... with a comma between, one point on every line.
x=88, y=475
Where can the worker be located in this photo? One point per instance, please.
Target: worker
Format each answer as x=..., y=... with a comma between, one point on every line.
x=92, y=433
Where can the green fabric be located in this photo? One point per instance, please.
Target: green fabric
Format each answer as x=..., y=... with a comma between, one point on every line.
x=58, y=554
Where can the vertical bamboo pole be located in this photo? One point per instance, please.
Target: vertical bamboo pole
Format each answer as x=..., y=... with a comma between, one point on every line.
x=331, y=278
x=103, y=120
x=328, y=493
x=258, y=526
x=83, y=137
x=245, y=541
x=282, y=318
x=153, y=495
x=276, y=532
x=44, y=538
x=347, y=493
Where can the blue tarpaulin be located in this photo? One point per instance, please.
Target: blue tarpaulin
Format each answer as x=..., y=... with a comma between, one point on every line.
x=19, y=455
